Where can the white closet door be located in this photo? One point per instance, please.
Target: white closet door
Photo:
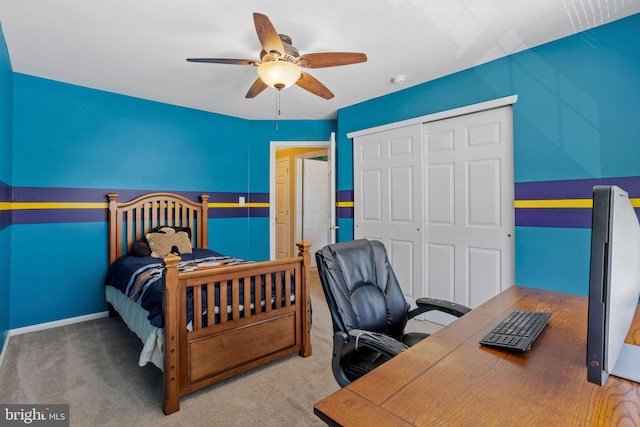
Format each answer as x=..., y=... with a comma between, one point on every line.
x=388, y=199
x=469, y=214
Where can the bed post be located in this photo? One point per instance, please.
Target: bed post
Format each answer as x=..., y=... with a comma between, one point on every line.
x=171, y=378
x=303, y=251
x=204, y=222
x=113, y=227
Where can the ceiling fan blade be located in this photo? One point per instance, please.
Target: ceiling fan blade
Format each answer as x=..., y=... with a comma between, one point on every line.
x=267, y=34
x=331, y=59
x=225, y=61
x=313, y=85
x=256, y=88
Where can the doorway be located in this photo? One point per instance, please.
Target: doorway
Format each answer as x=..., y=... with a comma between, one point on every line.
x=292, y=154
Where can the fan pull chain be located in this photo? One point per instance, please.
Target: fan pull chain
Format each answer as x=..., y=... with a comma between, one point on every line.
x=277, y=107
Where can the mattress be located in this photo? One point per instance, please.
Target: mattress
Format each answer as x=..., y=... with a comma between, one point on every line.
x=135, y=317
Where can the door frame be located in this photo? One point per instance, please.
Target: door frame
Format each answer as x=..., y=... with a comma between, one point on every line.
x=468, y=109
x=272, y=182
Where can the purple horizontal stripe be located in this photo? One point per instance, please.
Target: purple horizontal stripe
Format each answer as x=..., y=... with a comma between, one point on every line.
x=5, y=219
x=219, y=197
x=238, y=212
x=228, y=212
x=257, y=198
x=573, y=189
x=345, y=196
x=5, y=196
x=5, y=192
x=553, y=217
x=45, y=194
x=235, y=197
x=226, y=197
x=214, y=197
x=345, y=212
x=46, y=216
x=259, y=212
x=194, y=196
x=61, y=195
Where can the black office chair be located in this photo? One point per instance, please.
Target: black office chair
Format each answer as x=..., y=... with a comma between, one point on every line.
x=368, y=310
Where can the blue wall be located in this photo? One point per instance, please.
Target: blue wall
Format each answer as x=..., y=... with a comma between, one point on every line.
x=577, y=117
x=70, y=136
x=79, y=144
x=573, y=120
x=6, y=100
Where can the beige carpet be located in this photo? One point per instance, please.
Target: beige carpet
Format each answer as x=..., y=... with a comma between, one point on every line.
x=92, y=366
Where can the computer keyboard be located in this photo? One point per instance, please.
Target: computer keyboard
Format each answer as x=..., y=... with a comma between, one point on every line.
x=517, y=331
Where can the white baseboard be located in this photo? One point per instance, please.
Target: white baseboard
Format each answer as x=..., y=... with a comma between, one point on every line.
x=57, y=323
x=48, y=325
x=4, y=347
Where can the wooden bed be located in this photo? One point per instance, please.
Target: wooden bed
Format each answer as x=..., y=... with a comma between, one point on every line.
x=216, y=348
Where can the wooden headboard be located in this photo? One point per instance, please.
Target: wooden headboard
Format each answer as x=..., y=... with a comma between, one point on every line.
x=129, y=221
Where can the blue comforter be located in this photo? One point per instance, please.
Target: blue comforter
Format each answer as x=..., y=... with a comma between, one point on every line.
x=140, y=278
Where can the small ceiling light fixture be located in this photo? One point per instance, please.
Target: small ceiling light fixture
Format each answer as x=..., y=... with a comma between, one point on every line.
x=399, y=79
x=279, y=74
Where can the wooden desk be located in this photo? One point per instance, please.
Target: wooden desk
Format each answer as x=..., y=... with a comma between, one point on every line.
x=450, y=380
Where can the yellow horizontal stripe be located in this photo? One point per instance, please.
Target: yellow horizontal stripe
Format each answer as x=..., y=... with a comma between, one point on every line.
x=344, y=204
x=237, y=205
x=563, y=203
x=5, y=206
x=521, y=204
x=53, y=205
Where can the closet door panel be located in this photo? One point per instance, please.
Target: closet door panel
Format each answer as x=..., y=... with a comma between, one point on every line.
x=371, y=197
x=469, y=200
x=401, y=195
x=388, y=199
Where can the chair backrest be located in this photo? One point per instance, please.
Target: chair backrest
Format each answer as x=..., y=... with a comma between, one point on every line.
x=361, y=289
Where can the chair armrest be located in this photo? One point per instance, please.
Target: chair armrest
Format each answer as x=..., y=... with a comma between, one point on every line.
x=344, y=344
x=376, y=341
x=430, y=304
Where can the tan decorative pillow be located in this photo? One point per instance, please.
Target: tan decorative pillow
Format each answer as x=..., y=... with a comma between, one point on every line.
x=162, y=242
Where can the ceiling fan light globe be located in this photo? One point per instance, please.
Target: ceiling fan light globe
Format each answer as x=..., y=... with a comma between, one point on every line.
x=279, y=74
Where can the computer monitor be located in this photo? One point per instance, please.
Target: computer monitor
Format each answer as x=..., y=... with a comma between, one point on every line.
x=614, y=286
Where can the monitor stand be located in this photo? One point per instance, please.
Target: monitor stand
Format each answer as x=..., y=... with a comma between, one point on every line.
x=628, y=364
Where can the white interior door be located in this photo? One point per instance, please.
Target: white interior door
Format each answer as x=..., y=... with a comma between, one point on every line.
x=315, y=204
x=283, y=217
x=331, y=160
x=388, y=199
x=469, y=214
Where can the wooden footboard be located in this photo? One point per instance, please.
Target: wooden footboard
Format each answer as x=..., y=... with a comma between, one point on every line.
x=238, y=336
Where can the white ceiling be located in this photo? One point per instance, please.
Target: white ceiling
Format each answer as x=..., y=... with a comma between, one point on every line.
x=138, y=47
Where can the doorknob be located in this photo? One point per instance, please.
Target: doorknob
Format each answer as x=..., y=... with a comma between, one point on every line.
x=333, y=227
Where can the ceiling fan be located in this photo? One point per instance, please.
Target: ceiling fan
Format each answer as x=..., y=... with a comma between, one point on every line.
x=280, y=62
